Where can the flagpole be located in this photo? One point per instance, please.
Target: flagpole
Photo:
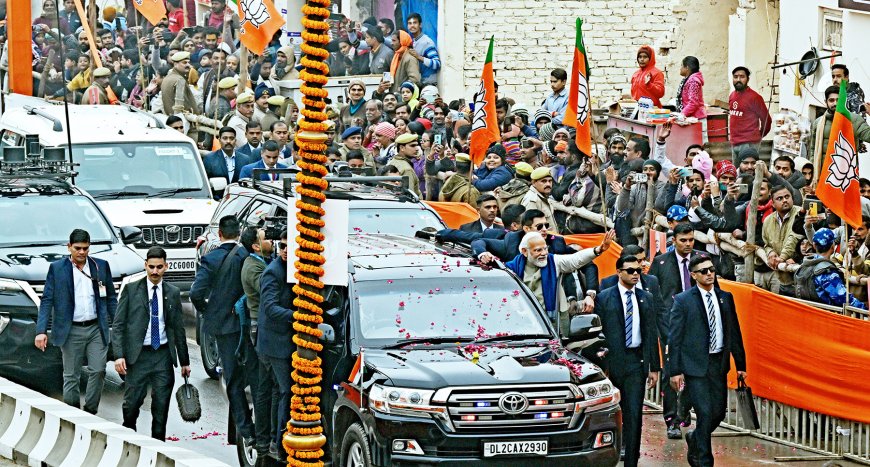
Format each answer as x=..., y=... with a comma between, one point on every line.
x=847, y=263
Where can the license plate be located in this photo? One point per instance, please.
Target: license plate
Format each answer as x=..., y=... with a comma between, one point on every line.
x=182, y=264
x=513, y=448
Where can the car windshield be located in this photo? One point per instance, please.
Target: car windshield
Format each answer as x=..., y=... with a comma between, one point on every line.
x=29, y=220
x=139, y=169
x=488, y=306
x=402, y=221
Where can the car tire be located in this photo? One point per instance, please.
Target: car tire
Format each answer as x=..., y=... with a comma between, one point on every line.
x=211, y=360
x=355, y=448
x=247, y=455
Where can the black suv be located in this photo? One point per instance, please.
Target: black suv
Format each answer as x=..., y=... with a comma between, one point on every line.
x=40, y=209
x=377, y=205
x=459, y=365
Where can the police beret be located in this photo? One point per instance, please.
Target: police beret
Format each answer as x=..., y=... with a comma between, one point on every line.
x=406, y=138
x=179, y=56
x=540, y=173
x=102, y=71
x=245, y=97
x=228, y=82
x=354, y=130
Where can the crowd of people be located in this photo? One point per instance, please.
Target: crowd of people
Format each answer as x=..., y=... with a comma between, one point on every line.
x=534, y=183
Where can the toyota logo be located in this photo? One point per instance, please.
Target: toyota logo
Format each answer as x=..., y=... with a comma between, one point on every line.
x=173, y=229
x=513, y=403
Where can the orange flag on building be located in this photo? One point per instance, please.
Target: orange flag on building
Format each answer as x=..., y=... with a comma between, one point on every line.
x=152, y=10
x=259, y=22
x=484, y=125
x=838, y=186
x=578, y=113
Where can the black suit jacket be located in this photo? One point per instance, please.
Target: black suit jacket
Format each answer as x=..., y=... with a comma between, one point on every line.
x=473, y=226
x=689, y=334
x=216, y=166
x=134, y=318
x=609, y=306
x=666, y=269
x=274, y=323
x=214, y=293
x=651, y=285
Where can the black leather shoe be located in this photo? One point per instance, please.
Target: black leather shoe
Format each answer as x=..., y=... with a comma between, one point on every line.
x=674, y=432
x=692, y=455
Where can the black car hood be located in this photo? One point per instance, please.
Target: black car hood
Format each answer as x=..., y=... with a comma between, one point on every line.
x=434, y=368
x=31, y=263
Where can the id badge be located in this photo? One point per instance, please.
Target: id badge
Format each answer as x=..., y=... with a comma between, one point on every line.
x=102, y=289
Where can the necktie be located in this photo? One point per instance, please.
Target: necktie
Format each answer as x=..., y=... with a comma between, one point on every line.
x=711, y=320
x=155, y=321
x=629, y=318
x=687, y=278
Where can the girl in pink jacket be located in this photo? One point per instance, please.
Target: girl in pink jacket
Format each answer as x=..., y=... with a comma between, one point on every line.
x=690, y=95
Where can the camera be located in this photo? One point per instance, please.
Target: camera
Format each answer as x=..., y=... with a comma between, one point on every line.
x=274, y=226
x=742, y=188
x=639, y=177
x=526, y=143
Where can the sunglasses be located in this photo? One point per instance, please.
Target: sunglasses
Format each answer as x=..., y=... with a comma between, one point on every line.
x=282, y=246
x=544, y=225
x=632, y=271
x=704, y=271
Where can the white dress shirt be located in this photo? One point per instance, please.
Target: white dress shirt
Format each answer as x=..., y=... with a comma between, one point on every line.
x=230, y=161
x=85, y=303
x=635, y=317
x=717, y=345
x=160, y=316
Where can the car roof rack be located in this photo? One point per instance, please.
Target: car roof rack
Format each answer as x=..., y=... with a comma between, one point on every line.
x=338, y=188
x=57, y=125
x=50, y=163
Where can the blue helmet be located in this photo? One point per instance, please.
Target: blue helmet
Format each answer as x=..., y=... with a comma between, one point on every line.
x=676, y=213
x=824, y=238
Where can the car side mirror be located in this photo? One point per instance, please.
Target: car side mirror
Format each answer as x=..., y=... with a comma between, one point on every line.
x=130, y=234
x=328, y=336
x=218, y=183
x=584, y=329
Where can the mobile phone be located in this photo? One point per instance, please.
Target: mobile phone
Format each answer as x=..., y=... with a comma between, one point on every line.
x=639, y=177
x=742, y=188
x=437, y=139
x=388, y=78
x=686, y=172
x=526, y=142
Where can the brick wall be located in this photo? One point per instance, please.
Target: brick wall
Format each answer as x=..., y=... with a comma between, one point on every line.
x=534, y=36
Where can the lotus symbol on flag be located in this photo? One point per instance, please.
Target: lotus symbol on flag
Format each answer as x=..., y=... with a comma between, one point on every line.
x=582, y=99
x=479, y=111
x=138, y=2
x=255, y=12
x=844, y=164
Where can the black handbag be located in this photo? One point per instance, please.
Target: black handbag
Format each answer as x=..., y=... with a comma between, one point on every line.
x=187, y=397
x=746, y=405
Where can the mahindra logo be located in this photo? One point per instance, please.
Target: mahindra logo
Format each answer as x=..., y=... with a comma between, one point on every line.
x=173, y=229
x=513, y=403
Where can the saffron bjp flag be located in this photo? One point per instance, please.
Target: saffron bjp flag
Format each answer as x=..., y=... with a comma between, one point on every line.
x=838, y=186
x=259, y=21
x=578, y=114
x=484, y=125
x=153, y=10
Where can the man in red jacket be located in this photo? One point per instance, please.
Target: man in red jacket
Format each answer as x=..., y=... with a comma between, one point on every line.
x=749, y=119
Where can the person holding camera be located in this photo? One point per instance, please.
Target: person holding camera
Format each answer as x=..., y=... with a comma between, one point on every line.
x=631, y=195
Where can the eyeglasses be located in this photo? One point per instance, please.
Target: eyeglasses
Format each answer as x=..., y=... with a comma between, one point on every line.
x=632, y=271
x=705, y=271
x=177, y=127
x=544, y=225
x=282, y=245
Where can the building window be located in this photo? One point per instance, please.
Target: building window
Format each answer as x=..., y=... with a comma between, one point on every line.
x=831, y=29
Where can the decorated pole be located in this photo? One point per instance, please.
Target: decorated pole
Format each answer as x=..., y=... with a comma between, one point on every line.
x=304, y=439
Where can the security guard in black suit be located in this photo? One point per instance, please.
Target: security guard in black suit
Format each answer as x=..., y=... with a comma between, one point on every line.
x=632, y=361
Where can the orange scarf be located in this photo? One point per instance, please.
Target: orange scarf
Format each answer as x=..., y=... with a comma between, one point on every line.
x=405, y=41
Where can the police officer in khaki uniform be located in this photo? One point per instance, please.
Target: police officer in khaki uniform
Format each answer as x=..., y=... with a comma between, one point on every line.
x=226, y=93
x=407, y=149
x=240, y=118
x=95, y=94
x=176, y=93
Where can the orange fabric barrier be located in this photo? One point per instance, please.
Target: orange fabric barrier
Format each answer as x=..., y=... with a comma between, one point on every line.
x=456, y=214
x=18, y=33
x=607, y=261
x=803, y=356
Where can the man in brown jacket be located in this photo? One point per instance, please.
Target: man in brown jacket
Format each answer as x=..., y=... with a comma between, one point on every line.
x=177, y=95
x=407, y=149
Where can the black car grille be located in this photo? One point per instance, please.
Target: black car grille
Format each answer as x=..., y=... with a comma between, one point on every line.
x=170, y=236
x=478, y=410
x=179, y=276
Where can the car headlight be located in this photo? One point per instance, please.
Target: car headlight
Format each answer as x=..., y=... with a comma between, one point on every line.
x=403, y=401
x=599, y=395
x=131, y=278
x=18, y=293
x=10, y=286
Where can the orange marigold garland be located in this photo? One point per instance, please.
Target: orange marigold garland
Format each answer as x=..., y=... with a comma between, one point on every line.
x=304, y=439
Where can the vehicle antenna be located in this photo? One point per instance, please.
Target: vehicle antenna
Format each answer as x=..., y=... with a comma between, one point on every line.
x=65, y=99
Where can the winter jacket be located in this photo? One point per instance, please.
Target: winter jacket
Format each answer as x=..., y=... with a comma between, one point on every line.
x=457, y=189
x=655, y=89
x=635, y=201
x=512, y=193
x=693, y=97
x=488, y=180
